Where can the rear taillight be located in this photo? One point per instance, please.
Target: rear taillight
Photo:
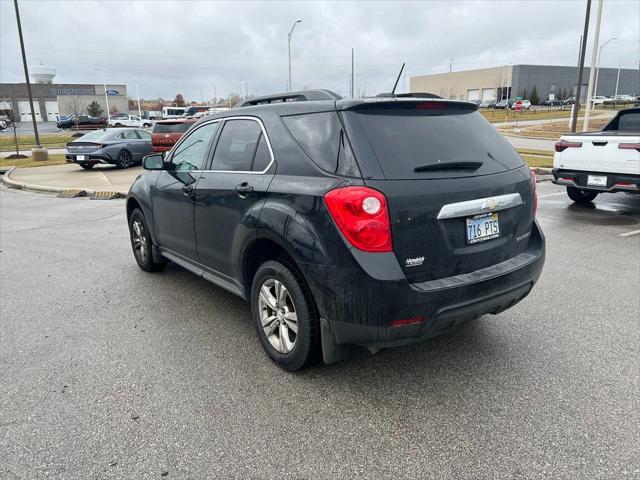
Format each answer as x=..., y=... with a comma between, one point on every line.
x=535, y=193
x=629, y=146
x=362, y=216
x=562, y=145
x=431, y=106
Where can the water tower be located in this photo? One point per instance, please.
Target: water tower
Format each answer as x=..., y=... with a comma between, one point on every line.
x=42, y=74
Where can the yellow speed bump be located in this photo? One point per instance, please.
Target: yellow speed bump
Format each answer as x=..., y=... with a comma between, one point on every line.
x=72, y=193
x=104, y=195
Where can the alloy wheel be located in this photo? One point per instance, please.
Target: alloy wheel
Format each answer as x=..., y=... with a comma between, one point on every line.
x=278, y=315
x=139, y=240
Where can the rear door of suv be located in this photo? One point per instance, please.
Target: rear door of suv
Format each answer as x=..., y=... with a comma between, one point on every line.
x=460, y=198
x=230, y=192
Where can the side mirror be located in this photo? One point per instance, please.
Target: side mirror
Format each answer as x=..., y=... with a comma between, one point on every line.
x=154, y=161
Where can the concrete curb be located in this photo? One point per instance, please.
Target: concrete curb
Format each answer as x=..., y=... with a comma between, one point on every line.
x=11, y=183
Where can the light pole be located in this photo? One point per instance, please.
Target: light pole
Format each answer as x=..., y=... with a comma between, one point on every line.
x=592, y=69
x=450, y=65
x=138, y=96
x=289, y=45
x=615, y=95
x=595, y=85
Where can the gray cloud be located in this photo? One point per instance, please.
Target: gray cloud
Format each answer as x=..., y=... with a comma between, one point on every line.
x=191, y=46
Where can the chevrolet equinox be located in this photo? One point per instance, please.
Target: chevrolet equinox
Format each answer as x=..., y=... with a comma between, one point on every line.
x=344, y=222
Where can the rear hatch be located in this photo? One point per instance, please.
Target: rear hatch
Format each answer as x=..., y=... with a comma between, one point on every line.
x=166, y=134
x=460, y=198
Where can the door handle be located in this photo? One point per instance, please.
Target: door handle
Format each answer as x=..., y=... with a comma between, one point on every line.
x=243, y=189
x=187, y=189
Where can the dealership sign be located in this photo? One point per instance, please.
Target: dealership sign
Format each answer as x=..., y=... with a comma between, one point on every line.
x=113, y=92
x=73, y=91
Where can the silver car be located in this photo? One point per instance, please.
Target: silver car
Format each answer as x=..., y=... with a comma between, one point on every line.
x=122, y=147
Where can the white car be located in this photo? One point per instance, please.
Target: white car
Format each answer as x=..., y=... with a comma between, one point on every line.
x=599, y=100
x=597, y=162
x=124, y=120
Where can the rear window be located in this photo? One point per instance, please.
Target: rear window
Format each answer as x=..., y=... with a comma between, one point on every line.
x=171, y=127
x=625, y=122
x=96, y=136
x=407, y=137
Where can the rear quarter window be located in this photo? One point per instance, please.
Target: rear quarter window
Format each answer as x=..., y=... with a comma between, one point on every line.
x=322, y=138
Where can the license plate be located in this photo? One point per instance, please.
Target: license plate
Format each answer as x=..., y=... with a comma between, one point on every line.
x=80, y=157
x=482, y=227
x=597, y=180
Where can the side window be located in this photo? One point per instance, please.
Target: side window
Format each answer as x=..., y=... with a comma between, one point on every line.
x=318, y=134
x=238, y=145
x=130, y=135
x=144, y=135
x=191, y=153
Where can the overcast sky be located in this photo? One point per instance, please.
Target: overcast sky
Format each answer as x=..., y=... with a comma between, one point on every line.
x=192, y=47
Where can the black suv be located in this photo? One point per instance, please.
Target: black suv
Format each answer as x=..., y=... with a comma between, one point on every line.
x=344, y=222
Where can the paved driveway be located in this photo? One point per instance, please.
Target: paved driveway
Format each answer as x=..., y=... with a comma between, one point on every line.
x=110, y=372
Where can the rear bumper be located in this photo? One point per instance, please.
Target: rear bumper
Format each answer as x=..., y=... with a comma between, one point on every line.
x=616, y=182
x=89, y=158
x=366, y=311
x=161, y=148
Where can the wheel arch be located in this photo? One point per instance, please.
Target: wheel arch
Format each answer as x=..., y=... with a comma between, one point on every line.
x=261, y=250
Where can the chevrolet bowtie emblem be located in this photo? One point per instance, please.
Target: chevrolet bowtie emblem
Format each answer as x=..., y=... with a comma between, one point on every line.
x=489, y=204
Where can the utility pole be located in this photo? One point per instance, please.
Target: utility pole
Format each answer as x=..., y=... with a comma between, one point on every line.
x=450, y=65
x=594, y=66
x=576, y=105
x=289, y=46
x=26, y=77
x=352, y=63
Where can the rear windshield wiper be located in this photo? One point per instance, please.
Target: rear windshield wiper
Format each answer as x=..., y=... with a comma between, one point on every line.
x=448, y=166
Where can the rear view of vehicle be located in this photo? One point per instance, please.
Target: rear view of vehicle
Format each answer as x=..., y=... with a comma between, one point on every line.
x=167, y=132
x=443, y=229
x=597, y=162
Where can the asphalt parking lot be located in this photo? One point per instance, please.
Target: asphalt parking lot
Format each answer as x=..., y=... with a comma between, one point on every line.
x=111, y=372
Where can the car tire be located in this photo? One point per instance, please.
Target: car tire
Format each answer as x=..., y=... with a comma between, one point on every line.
x=124, y=159
x=141, y=243
x=286, y=324
x=581, y=196
x=86, y=166
x=118, y=125
x=146, y=125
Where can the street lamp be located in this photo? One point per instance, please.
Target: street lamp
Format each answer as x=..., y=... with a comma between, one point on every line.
x=291, y=35
x=595, y=85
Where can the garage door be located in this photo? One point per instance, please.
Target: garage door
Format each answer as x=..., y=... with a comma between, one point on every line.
x=25, y=111
x=473, y=95
x=51, y=107
x=488, y=94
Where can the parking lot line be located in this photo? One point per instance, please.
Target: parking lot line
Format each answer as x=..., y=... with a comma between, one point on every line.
x=551, y=194
x=630, y=234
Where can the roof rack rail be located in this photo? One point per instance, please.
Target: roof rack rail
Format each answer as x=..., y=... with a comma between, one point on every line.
x=409, y=95
x=303, y=96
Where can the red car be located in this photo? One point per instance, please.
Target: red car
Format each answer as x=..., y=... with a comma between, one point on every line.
x=167, y=132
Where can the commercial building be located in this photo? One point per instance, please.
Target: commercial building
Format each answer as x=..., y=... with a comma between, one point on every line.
x=510, y=81
x=50, y=100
